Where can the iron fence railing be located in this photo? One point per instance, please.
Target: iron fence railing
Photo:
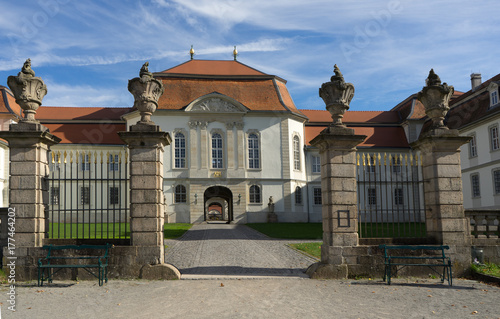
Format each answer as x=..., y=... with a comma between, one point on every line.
x=89, y=195
x=390, y=195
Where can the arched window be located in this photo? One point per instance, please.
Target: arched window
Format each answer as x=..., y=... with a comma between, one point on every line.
x=180, y=194
x=255, y=194
x=253, y=151
x=180, y=151
x=296, y=153
x=298, y=195
x=217, y=151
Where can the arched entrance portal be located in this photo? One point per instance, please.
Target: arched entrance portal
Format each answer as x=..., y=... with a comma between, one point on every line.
x=218, y=203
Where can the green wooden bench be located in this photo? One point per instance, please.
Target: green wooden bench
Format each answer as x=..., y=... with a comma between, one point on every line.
x=400, y=260
x=50, y=265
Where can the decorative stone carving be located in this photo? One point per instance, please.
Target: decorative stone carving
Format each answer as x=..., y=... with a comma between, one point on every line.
x=337, y=94
x=435, y=97
x=214, y=105
x=28, y=91
x=146, y=91
x=230, y=125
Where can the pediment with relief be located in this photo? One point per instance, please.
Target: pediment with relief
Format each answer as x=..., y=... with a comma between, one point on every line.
x=214, y=103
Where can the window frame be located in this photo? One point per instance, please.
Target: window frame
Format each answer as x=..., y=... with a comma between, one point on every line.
x=473, y=146
x=180, y=162
x=371, y=196
x=316, y=164
x=494, y=138
x=254, y=194
x=475, y=185
x=114, y=195
x=85, y=164
x=399, y=196
x=220, y=163
x=493, y=98
x=297, y=165
x=114, y=161
x=317, y=196
x=85, y=195
x=180, y=194
x=55, y=195
x=496, y=181
x=298, y=196
x=253, y=151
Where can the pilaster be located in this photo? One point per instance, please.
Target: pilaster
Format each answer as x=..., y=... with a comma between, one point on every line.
x=29, y=144
x=146, y=144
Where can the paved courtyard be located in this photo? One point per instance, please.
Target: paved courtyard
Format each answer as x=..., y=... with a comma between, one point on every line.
x=233, y=251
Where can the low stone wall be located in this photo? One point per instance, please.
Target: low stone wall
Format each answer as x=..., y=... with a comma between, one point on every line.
x=124, y=262
x=368, y=261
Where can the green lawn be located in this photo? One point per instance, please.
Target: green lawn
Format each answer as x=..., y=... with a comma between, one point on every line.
x=89, y=231
x=105, y=230
x=290, y=230
x=313, y=249
x=487, y=269
x=176, y=230
x=314, y=230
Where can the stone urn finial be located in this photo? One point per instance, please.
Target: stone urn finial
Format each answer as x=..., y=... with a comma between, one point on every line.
x=337, y=94
x=435, y=97
x=28, y=91
x=146, y=91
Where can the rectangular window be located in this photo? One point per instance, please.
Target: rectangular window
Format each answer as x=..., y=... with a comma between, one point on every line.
x=316, y=165
x=85, y=195
x=114, y=195
x=54, y=195
x=253, y=151
x=372, y=196
x=396, y=164
x=217, y=151
x=494, y=141
x=398, y=196
x=317, y=195
x=494, y=98
x=370, y=161
x=85, y=162
x=113, y=162
x=496, y=181
x=474, y=179
x=473, y=146
x=180, y=151
x=296, y=153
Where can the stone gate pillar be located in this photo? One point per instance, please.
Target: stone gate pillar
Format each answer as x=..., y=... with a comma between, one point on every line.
x=29, y=144
x=337, y=146
x=440, y=148
x=146, y=143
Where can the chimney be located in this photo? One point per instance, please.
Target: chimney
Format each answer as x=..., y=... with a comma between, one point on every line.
x=475, y=80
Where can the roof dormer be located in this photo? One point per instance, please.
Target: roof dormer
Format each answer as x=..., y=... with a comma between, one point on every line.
x=493, y=91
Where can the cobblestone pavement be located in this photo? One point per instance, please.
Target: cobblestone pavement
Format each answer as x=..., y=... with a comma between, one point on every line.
x=233, y=251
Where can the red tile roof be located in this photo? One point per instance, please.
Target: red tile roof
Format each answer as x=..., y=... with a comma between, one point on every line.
x=105, y=133
x=213, y=67
x=377, y=136
x=255, y=94
x=8, y=102
x=49, y=113
x=323, y=116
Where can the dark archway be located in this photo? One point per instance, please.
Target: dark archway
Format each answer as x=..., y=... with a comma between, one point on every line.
x=219, y=192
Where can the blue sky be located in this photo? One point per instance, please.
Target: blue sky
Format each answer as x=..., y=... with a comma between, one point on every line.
x=87, y=50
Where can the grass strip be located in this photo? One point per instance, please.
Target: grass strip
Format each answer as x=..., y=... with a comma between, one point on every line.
x=313, y=249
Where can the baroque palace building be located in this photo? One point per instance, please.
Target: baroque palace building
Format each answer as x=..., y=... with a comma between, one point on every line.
x=238, y=143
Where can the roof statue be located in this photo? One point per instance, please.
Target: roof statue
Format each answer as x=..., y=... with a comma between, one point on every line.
x=338, y=75
x=433, y=79
x=26, y=69
x=235, y=53
x=145, y=71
